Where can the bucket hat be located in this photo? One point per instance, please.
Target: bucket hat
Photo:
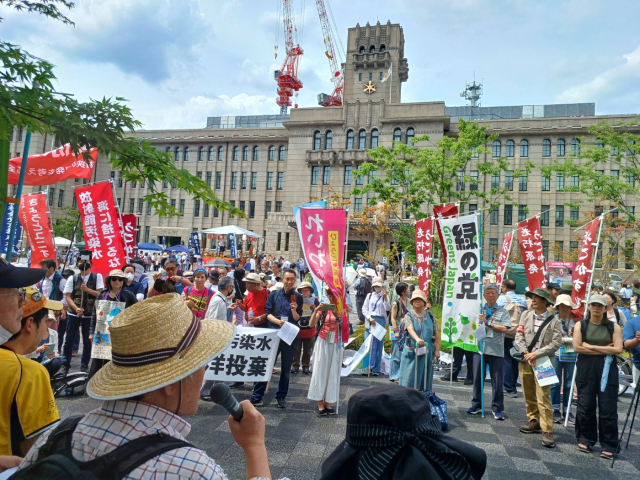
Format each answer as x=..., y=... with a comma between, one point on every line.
x=540, y=292
x=362, y=272
x=565, y=300
x=377, y=282
x=305, y=285
x=418, y=295
x=117, y=273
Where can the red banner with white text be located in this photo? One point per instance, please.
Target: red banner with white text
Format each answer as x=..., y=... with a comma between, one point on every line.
x=530, y=240
x=53, y=167
x=444, y=211
x=101, y=225
x=34, y=218
x=501, y=265
x=424, y=243
x=584, y=265
x=129, y=223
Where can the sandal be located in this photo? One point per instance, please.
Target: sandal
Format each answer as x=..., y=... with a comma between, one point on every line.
x=606, y=454
x=584, y=448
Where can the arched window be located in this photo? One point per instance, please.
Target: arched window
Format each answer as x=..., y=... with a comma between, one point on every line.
x=362, y=139
x=235, y=154
x=255, y=154
x=361, y=51
x=317, y=140
x=328, y=140
x=210, y=157
x=374, y=138
x=186, y=154
x=575, y=146
x=497, y=147
x=168, y=150
x=410, y=134
x=201, y=154
x=281, y=153
x=177, y=154
x=350, y=140
x=599, y=143
x=546, y=147
x=245, y=154
x=272, y=152
x=372, y=49
x=397, y=135
x=511, y=146
x=560, y=147
x=383, y=48
x=524, y=148
x=220, y=154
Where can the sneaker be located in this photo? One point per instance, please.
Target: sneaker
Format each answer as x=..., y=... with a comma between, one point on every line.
x=474, y=410
x=257, y=403
x=572, y=419
x=468, y=381
x=84, y=368
x=557, y=416
x=306, y=371
x=547, y=440
x=532, y=426
x=295, y=370
x=498, y=416
x=282, y=403
x=511, y=394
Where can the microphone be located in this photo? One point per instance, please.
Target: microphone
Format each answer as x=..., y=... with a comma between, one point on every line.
x=221, y=395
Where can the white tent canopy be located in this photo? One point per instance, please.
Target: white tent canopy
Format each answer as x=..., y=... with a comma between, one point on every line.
x=61, y=242
x=231, y=229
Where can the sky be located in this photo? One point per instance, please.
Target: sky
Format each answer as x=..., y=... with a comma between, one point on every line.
x=179, y=61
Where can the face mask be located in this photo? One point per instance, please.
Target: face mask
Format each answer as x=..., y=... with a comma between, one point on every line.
x=129, y=276
x=377, y=289
x=5, y=335
x=84, y=267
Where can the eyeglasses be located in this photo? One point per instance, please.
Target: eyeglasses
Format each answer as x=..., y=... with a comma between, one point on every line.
x=20, y=294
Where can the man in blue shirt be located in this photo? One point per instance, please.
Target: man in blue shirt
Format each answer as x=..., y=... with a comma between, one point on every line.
x=631, y=342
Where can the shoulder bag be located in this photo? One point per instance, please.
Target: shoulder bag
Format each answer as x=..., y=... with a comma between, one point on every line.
x=517, y=354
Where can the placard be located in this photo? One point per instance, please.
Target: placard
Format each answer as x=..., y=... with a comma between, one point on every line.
x=544, y=372
x=105, y=311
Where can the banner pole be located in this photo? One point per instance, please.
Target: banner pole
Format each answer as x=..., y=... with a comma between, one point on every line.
x=16, y=209
x=481, y=341
x=66, y=260
x=118, y=209
x=594, y=258
x=344, y=290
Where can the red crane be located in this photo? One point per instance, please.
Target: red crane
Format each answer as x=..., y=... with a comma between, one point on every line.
x=335, y=99
x=287, y=76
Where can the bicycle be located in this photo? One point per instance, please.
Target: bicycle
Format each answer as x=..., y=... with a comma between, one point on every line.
x=625, y=372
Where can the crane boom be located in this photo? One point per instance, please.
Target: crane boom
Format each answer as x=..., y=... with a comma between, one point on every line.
x=287, y=76
x=335, y=99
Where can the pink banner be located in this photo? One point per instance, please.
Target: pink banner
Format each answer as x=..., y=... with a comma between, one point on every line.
x=444, y=211
x=34, y=218
x=129, y=227
x=501, y=265
x=584, y=265
x=531, y=247
x=424, y=242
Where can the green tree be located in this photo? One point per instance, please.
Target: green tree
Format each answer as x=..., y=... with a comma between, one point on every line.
x=28, y=97
x=64, y=226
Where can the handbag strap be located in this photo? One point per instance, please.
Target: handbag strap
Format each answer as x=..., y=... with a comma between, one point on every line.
x=536, y=337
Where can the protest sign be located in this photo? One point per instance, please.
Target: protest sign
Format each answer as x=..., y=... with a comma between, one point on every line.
x=248, y=358
x=53, y=167
x=501, y=265
x=583, y=268
x=129, y=224
x=544, y=372
x=194, y=243
x=233, y=245
x=424, y=242
x=461, y=302
x=559, y=271
x=101, y=225
x=444, y=211
x=35, y=220
x=105, y=311
x=6, y=227
x=530, y=241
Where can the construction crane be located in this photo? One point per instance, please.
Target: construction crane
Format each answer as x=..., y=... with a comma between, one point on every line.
x=287, y=76
x=335, y=99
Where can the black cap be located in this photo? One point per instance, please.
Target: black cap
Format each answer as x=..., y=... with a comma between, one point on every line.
x=553, y=286
x=19, y=277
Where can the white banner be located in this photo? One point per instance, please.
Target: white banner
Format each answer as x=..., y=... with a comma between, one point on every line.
x=357, y=359
x=461, y=302
x=248, y=358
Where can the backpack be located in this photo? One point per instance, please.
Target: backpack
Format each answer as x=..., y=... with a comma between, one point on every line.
x=514, y=313
x=55, y=460
x=364, y=288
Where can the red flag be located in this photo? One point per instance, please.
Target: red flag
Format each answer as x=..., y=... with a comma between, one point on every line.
x=444, y=211
x=101, y=225
x=530, y=241
x=53, y=167
x=501, y=265
x=424, y=242
x=36, y=223
x=129, y=229
x=584, y=265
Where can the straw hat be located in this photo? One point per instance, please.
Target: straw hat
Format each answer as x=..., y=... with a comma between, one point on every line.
x=377, y=282
x=305, y=285
x=161, y=325
x=418, y=295
x=565, y=300
x=252, y=278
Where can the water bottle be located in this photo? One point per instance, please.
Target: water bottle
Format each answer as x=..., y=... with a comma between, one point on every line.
x=250, y=315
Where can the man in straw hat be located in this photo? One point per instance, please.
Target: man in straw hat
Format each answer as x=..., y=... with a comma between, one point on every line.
x=159, y=354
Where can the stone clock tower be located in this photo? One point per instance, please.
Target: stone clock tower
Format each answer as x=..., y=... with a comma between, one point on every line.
x=371, y=51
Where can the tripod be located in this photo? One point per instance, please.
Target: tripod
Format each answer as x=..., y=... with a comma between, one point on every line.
x=633, y=405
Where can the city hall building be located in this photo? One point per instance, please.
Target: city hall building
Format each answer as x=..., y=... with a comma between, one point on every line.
x=266, y=164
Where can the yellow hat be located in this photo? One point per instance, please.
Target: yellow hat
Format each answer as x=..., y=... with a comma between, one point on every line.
x=36, y=301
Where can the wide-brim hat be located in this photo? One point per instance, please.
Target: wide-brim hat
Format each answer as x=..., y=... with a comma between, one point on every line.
x=277, y=286
x=540, y=292
x=155, y=343
x=252, y=278
x=377, y=282
x=565, y=300
x=362, y=272
x=117, y=273
x=305, y=285
x=37, y=301
x=15, y=277
x=418, y=295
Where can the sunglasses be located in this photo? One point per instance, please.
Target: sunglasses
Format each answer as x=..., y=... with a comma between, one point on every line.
x=116, y=279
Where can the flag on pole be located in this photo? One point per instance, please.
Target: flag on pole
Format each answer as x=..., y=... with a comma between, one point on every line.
x=584, y=268
x=501, y=265
x=387, y=74
x=4, y=233
x=443, y=211
x=53, y=167
x=424, y=239
x=35, y=220
x=317, y=283
x=530, y=240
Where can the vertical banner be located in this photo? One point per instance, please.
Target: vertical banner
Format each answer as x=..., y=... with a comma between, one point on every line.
x=503, y=258
x=232, y=244
x=461, y=302
x=584, y=268
x=6, y=228
x=320, y=204
x=443, y=211
x=530, y=240
x=34, y=218
x=101, y=225
x=130, y=223
x=424, y=240
x=194, y=243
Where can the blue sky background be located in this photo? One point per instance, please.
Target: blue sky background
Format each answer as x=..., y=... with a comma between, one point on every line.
x=179, y=61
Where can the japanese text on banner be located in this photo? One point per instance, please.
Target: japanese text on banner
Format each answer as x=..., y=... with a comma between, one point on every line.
x=53, y=167
x=249, y=357
x=530, y=240
x=101, y=225
x=129, y=222
x=34, y=218
x=443, y=211
x=424, y=242
x=461, y=303
x=583, y=267
x=6, y=229
x=503, y=258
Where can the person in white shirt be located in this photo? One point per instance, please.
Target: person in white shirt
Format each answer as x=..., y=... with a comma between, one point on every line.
x=375, y=308
x=219, y=304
